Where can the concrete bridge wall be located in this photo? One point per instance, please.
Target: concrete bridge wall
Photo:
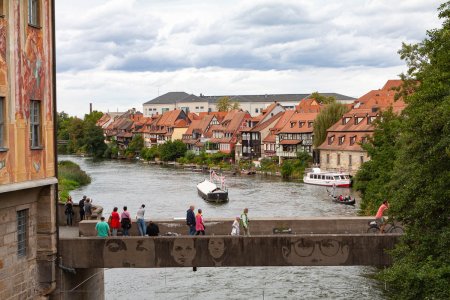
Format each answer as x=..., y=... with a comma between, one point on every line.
x=228, y=251
x=258, y=226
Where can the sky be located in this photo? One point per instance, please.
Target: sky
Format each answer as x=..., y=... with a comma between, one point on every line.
x=119, y=54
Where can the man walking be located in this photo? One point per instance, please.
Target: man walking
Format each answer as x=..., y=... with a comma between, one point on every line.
x=244, y=222
x=81, y=206
x=140, y=220
x=102, y=228
x=190, y=220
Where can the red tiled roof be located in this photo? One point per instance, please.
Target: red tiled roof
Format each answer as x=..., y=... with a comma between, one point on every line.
x=335, y=145
x=292, y=126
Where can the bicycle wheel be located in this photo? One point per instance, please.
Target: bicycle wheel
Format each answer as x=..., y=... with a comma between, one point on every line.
x=396, y=229
x=373, y=230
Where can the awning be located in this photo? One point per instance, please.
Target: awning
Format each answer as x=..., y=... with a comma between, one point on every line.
x=290, y=142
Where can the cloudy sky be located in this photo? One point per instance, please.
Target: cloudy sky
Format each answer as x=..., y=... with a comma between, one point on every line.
x=118, y=54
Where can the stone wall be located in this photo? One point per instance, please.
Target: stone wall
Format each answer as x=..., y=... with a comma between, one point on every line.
x=80, y=284
x=228, y=251
x=33, y=274
x=97, y=211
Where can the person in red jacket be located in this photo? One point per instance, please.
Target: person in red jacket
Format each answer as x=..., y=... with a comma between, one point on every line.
x=199, y=226
x=115, y=221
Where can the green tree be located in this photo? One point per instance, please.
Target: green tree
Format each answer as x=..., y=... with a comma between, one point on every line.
x=325, y=119
x=225, y=104
x=170, y=151
x=93, y=140
x=374, y=176
x=419, y=184
x=135, y=146
x=322, y=99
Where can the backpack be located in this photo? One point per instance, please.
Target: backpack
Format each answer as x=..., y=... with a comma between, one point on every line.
x=126, y=223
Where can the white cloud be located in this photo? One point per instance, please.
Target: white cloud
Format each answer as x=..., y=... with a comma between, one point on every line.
x=117, y=52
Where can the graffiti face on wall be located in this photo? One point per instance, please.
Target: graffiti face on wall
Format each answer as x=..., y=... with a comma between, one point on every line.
x=315, y=251
x=129, y=253
x=183, y=251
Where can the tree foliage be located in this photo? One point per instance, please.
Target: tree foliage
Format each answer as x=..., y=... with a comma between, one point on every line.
x=419, y=183
x=82, y=136
x=327, y=117
x=135, y=146
x=322, y=99
x=225, y=104
x=170, y=151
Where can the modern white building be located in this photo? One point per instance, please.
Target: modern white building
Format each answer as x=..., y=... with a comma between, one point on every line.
x=254, y=104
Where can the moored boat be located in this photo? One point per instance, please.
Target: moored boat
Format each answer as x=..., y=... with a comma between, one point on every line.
x=318, y=177
x=349, y=201
x=214, y=189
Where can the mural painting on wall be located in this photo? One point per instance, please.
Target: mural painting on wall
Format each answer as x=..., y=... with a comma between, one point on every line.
x=224, y=251
x=3, y=65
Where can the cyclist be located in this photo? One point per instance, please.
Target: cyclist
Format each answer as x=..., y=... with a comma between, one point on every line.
x=381, y=221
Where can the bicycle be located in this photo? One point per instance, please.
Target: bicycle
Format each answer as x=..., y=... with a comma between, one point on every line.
x=389, y=228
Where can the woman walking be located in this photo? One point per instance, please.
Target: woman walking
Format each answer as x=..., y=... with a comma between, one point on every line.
x=115, y=221
x=126, y=221
x=199, y=226
x=68, y=211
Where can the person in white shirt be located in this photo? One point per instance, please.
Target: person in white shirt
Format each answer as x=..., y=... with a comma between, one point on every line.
x=140, y=220
x=235, y=226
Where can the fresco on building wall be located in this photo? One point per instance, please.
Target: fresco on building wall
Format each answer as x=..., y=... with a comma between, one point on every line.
x=3, y=66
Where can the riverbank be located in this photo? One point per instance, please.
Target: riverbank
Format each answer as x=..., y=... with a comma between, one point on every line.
x=70, y=177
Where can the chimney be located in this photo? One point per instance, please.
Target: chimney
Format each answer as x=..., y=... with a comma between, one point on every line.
x=90, y=108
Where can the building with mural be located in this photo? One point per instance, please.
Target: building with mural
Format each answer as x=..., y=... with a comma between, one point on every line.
x=28, y=192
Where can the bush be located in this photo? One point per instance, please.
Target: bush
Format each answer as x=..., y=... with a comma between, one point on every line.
x=70, y=177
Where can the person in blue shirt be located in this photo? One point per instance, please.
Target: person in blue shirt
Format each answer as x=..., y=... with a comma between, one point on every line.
x=102, y=228
x=190, y=220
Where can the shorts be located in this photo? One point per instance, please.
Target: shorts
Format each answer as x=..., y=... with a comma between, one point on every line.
x=381, y=221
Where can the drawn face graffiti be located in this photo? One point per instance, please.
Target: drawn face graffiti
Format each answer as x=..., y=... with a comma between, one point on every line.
x=216, y=247
x=315, y=251
x=129, y=253
x=183, y=251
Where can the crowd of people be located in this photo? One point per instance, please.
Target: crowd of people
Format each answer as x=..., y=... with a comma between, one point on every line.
x=85, y=206
x=195, y=223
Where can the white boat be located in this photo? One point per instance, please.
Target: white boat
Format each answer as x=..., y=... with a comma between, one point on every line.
x=214, y=189
x=318, y=177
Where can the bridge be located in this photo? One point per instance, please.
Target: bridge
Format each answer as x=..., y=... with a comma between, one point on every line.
x=274, y=242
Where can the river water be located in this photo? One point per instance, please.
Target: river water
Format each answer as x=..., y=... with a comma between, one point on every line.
x=167, y=192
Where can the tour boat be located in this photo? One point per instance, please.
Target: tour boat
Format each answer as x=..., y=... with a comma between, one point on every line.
x=337, y=179
x=214, y=189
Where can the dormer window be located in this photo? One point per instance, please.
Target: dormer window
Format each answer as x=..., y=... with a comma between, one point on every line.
x=371, y=119
x=300, y=124
x=358, y=120
x=292, y=124
x=310, y=124
x=364, y=139
x=345, y=120
x=330, y=140
x=341, y=139
x=352, y=140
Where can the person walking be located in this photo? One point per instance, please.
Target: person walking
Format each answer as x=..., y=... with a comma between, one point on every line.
x=199, y=226
x=125, y=220
x=190, y=220
x=379, y=218
x=68, y=211
x=140, y=220
x=235, y=226
x=152, y=229
x=245, y=221
x=88, y=209
x=102, y=228
x=81, y=206
x=115, y=221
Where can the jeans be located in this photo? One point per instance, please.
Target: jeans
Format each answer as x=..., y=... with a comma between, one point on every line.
x=192, y=230
x=141, y=226
x=200, y=231
x=125, y=231
x=114, y=232
x=69, y=218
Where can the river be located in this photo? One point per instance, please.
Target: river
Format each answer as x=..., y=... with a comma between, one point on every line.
x=167, y=192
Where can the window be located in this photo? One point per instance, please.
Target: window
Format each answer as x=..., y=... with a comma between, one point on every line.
x=341, y=140
x=349, y=160
x=328, y=158
x=331, y=140
x=22, y=220
x=201, y=107
x=352, y=140
x=33, y=12
x=361, y=159
x=310, y=124
x=2, y=122
x=256, y=110
x=35, y=123
x=2, y=8
x=364, y=140
x=338, y=159
x=345, y=120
